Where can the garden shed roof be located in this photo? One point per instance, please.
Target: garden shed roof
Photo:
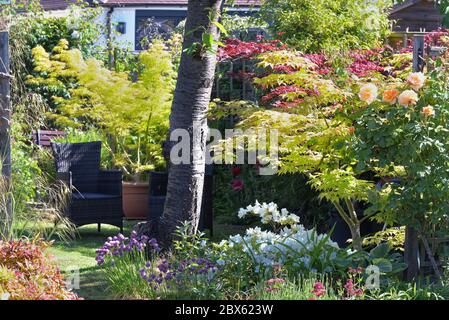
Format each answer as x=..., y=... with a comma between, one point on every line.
x=416, y=15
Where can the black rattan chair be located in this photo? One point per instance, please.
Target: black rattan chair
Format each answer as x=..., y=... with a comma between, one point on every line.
x=96, y=195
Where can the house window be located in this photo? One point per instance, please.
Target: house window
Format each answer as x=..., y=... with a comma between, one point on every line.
x=152, y=24
x=121, y=27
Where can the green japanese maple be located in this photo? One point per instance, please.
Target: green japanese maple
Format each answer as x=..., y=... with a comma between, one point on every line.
x=134, y=115
x=314, y=134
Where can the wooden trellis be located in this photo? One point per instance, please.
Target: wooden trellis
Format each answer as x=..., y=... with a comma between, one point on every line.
x=238, y=89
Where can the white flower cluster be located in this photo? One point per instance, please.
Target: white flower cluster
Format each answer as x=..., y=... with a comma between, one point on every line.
x=296, y=247
x=269, y=213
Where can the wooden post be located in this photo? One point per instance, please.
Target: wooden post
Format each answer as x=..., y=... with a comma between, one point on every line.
x=5, y=118
x=110, y=46
x=418, y=53
x=411, y=245
x=411, y=253
x=405, y=40
x=231, y=82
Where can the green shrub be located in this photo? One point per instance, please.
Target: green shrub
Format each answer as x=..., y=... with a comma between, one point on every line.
x=332, y=26
x=25, y=172
x=38, y=200
x=277, y=188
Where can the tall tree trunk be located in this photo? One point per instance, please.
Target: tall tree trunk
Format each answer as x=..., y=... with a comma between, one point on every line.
x=5, y=142
x=189, y=110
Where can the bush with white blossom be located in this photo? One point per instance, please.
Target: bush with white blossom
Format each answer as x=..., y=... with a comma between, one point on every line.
x=290, y=245
x=270, y=214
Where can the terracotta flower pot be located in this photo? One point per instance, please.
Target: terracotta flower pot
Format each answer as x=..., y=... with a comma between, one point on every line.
x=135, y=200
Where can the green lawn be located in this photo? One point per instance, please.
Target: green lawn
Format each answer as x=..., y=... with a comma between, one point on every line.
x=80, y=254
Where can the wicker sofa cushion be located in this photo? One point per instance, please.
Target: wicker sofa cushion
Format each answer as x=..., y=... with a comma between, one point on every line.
x=93, y=196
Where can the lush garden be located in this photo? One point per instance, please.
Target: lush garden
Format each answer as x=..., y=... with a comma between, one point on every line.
x=362, y=145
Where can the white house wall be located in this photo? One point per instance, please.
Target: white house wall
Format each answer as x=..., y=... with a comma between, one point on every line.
x=128, y=16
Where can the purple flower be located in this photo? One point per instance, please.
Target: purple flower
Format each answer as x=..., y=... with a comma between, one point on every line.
x=163, y=267
x=143, y=273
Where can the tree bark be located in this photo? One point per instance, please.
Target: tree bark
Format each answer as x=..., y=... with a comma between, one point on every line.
x=352, y=222
x=189, y=110
x=5, y=139
x=356, y=237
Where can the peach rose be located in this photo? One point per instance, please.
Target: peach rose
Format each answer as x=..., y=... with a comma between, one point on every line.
x=428, y=111
x=416, y=80
x=408, y=98
x=391, y=96
x=368, y=93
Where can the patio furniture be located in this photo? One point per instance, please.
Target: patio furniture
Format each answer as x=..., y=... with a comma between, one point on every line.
x=96, y=195
x=43, y=137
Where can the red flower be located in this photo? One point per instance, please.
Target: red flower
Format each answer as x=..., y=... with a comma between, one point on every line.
x=236, y=171
x=351, y=290
x=357, y=270
x=273, y=281
x=237, y=184
x=319, y=289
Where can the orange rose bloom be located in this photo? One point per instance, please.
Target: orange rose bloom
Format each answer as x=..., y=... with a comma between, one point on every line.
x=428, y=111
x=391, y=96
x=408, y=98
x=416, y=80
x=368, y=93
x=351, y=130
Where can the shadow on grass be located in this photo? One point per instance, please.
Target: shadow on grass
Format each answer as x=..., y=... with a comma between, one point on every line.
x=93, y=285
x=79, y=254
